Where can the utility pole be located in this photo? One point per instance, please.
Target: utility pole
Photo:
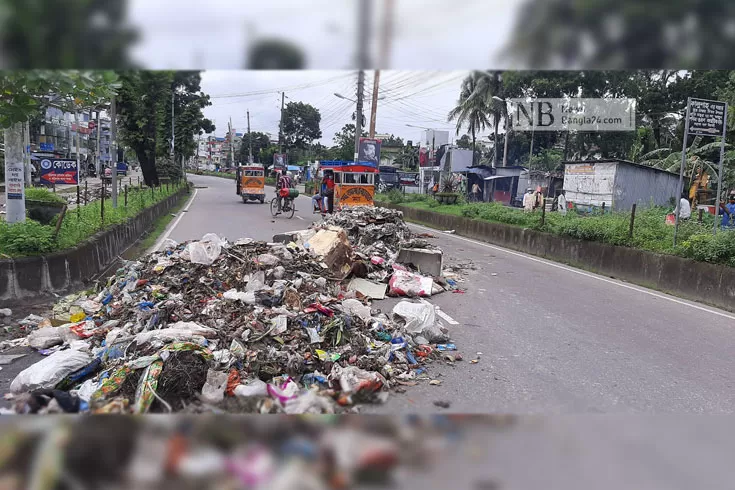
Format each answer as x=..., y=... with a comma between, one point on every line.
x=280, y=124
x=374, y=110
x=26, y=153
x=358, y=116
x=14, y=175
x=76, y=121
x=99, y=148
x=250, y=138
x=173, y=128
x=199, y=142
x=113, y=151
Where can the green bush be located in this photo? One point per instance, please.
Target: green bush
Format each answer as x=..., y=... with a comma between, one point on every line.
x=27, y=238
x=394, y=196
x=719, y=249
x=44, y=195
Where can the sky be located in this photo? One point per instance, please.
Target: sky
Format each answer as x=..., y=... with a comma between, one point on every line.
x=418, y=98
x=448, y=34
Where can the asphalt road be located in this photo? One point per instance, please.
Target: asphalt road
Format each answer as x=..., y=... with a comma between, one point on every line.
x=552, y=339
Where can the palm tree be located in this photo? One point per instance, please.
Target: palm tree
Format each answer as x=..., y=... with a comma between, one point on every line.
x=490, y=90
x=471, y=109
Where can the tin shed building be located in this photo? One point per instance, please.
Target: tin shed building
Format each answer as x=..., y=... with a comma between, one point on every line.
x=619, y=184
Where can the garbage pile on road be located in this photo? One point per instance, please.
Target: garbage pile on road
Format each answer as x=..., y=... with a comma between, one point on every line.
x=281, y=452
x=248, y=327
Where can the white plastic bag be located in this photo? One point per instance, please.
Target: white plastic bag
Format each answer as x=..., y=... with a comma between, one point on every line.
x=247, y=297
x=206, y=251
x=254, y=387
x=355, y=307
x=214, y=389
x=418, y=316
x=43, y=338
x=310, y=403
x=179, y=331
x=404, y=283
x=49, y=371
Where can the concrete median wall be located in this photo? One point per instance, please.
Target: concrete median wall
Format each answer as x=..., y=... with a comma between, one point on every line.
x=696, y=281
x=33, y=278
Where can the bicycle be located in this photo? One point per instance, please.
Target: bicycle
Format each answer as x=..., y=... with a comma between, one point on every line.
x=289, y=206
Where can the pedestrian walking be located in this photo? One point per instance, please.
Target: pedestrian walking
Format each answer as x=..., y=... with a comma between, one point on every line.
x=475, y=192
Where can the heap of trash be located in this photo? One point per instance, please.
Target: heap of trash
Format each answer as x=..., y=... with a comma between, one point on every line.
x=245, y=327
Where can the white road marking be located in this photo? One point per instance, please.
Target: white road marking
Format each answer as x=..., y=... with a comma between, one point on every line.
x=299, y=217
x=586, y=274
x=172, y=226
x=446, y=317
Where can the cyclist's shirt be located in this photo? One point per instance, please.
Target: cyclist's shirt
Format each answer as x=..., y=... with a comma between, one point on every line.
x=285, y=182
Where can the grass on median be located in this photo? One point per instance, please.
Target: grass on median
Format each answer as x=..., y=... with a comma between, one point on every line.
x=224, y=175
x=650, y=232
x=32, y=238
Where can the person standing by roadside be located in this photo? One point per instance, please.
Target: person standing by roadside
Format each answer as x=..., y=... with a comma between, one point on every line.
x=561, y=204
x=685, y=209
x=529, y=199
x=475, y=192
x=329, y=190
x=728, y=213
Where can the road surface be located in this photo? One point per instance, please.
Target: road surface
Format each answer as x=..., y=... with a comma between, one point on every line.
x=552, y=339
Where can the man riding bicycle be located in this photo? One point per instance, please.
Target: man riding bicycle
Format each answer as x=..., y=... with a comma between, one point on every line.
x=284, y=182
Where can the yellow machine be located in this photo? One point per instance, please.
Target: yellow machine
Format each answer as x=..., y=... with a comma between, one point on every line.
x=251, y=183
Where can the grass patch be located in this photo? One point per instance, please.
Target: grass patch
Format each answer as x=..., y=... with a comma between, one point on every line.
x=44, y=195
x=651, y=233
x=32, y=238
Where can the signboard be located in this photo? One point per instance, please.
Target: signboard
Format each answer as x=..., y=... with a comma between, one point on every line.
x=280, y=160
x=369, y=150
x=409, y=179
x=81, y=129
x=356, y=196
x=14, y=179
x=47, y=146
x=56, y=171
x=707, y=117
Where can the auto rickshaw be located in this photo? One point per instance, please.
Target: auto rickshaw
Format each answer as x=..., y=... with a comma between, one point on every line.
x=250, y=181
x=354, y=183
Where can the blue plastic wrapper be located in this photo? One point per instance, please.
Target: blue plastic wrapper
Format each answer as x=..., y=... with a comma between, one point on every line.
x=446, y=347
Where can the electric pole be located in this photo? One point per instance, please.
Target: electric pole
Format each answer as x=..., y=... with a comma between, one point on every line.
x=113, y=150
x=99, y=150
x=358, y=116
x=173, y=128
x=374, y=110
x=250, y=138
x=280, y=124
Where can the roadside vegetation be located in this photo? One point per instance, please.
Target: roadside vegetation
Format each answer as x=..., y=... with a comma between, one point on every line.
x=650, y=231
x=33, y=238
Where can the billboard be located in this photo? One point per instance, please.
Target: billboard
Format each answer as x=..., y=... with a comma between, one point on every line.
x=57, y=171
x=409, y=179
x=369, y=150
x=280, y=160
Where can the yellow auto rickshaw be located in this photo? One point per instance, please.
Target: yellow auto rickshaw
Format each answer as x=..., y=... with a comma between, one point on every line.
x=251, y=182
x=354, y=183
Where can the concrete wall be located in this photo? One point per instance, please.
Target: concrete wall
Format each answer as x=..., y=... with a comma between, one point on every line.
x=34, y=278
x=697, y=281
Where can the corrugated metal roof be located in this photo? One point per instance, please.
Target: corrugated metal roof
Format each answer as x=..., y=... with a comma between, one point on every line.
x=625, y=162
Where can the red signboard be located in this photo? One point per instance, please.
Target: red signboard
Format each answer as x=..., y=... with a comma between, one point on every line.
x=56, y=171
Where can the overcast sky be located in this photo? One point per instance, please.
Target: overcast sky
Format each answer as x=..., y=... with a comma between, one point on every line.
x=428, y=34
x=419, y=98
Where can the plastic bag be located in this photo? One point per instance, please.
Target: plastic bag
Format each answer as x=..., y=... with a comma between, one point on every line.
x=179, y=331
x=44, y=338
x=418, y=316
x=268, y=260
x=404, y=283
x=288, y=390
x=254, y=387
x=355, y=307
x=310, y=403
x=49, y=371
x=214, y=389
x=206, y=251
x=246, y=297
x=147, y=386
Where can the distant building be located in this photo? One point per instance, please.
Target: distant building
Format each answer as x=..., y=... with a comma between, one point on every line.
x=618, y=184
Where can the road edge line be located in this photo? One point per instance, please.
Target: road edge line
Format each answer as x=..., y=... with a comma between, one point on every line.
x=170, y=228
